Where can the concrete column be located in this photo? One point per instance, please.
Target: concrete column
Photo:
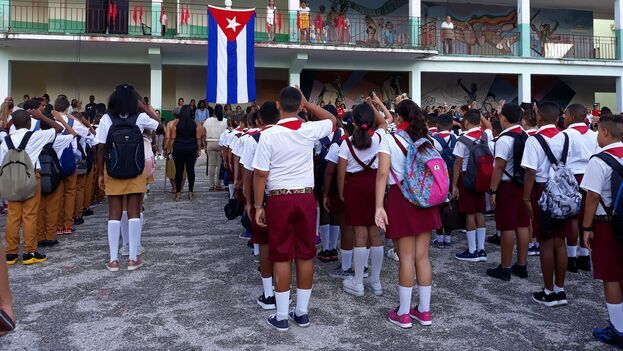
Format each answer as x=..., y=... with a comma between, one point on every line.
x=293, y=6
x=156, y=26
x=618, y=28
x=5, y=75
x=525, y=88
x=523, y=26
x=155, y=84
x=415, y=13
x=619, y=94
x=296, y=66
x=415, y=85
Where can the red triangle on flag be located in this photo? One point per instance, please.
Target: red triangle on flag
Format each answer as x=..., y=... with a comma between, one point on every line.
x=231, y=22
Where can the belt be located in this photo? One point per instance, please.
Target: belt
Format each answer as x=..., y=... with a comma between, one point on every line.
x=291, y=191
x=603, y=218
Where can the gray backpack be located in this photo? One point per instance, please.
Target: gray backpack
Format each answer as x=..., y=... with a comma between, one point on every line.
x=18, y=181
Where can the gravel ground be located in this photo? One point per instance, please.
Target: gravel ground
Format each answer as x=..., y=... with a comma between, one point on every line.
x=198, y=286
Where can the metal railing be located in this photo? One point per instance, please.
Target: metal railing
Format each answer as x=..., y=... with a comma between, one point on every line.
x=573, y=46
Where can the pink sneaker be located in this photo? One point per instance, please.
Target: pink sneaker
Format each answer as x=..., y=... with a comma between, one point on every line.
x=403, y=321
x=424, y=318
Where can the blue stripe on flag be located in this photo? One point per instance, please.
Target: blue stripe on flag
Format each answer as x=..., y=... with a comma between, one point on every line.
x=212, y=59
x=250, y=28
x=232, y=72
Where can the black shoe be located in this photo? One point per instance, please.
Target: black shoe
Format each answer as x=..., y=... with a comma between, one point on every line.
x=78, y=221
x=561, y=298
x=52, y=243
x=494, y=239
x=584, y=263
x=520, y=271
x=249, y=244
x=87, y=212
x=301, y=321
x=572, y=265
x=500, y=272
x=11, y=259
x=267, y=303
x=43, y=243
x=33, y=257
x=278, y=325
x=541, y=297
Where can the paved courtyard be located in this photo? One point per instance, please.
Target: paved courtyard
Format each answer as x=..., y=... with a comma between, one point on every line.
x=198, y=287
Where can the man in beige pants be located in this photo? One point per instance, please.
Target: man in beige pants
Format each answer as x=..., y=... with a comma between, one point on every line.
x=214, y=127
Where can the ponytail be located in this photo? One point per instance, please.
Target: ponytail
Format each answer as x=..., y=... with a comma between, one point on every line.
x=410, y=112
x=363, y=118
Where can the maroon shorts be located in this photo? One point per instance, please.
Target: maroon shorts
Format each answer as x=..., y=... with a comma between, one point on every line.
x=510, y=211
x=470, y=202
x=542, y=228
x=607, y=253
x=359, y=202
x=578, y=178
x=337, y=205
x=292, y=222
x=406, y=219
x=259, y=235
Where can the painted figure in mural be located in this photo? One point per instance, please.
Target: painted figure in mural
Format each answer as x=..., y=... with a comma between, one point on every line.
x=332, y=92
x=447, y=35
x=471, y=92
x=490, y=104
x=319, y=25
x=271, y=14
x=391, y=88
x=371, y=30
x=545, y=34
x=303, y=19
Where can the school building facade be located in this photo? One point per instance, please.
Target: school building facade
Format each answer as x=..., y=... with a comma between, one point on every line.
x=517, y=50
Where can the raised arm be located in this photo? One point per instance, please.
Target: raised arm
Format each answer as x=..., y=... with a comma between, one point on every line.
x=36, y=114
x=317, y=111
x=381, y=122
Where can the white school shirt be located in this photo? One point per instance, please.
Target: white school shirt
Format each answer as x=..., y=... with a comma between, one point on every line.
x=534, y=156
x=288, y=153
x=398, y=158
x=143, y=122
x=581, y=147
x=447, y=25
x=34, y=146
x=238, y=144
x=365, y=155
x=82, y=131
x=597, y=178
x=223, y=138
x=233, y=136
x=461, y=150
x=61, y=143
x=504, y=150
x=333, y=153
x=446, y=137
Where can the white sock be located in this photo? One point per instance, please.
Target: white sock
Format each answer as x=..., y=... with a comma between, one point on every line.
x=142, y=217
x=256, y=249
x=480, y=238
x=547, y=292
x=282, y=300
x=324, y=236
x=334, y=234
x=267, y=283
x=302, y=301
x=367, y=256
x=405, y=299
x=572, y=251
x=230, y=187
x=557, y=289
x=583, y=251
x=376, y=257
x=142, y=226
x=615, y=312
x=347, y=259
x=124, y=228
x=113, y=239
x=471, y=240
x=424, y=293
x=498, y=233
x=134, y=229
x=447, y=239
x=360, y=258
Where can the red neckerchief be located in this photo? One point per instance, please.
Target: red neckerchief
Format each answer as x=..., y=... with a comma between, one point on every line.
x=432, y=130
x=403, y=126
x=370, y=132
x=616, y=152
x=516, y=130
x=581, y=129
x=476, y=134
x=344, y=137
x=443, y=134
x=549, y=132
x=293, y=125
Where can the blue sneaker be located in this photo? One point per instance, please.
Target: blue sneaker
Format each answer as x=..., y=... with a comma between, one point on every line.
x=281, y=326
x=482, y=256
x=301, y=321
x=246, y=235
x=467, y=256
x=609, y=336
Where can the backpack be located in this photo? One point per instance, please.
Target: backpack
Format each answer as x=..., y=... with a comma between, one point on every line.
x=18, y=181
x=321, y=163
x=479, y=171
x=150, y=160
x=124, y=151
x=82, y=167
x=447, y=149
x=425, y=182
x=519, y=144
x=90, y=158
x=51, y=172
x=67, y=159
x=561, y=197
x=615, y=210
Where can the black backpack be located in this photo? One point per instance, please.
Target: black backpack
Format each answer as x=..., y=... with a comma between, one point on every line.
x=125, y=151
x=90, y=158
x=321, y=163
x=447, y=151
x=51, y=171
x=615, y=210
x=519, y=144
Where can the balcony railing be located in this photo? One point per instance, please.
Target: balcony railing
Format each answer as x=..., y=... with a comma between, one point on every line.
x=326, y=29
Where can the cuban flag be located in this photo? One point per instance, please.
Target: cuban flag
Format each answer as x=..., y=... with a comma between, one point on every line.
x=231, y=56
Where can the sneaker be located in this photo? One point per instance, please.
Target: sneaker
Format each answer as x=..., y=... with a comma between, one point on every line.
x=561, y=297
x=534, y=251
x=11, y=259
x=520, y=271
x=438, y=244
x=341, y=274
x=87, y=212
x=68, y=231
x=60, y=232
x=482, y=256
x=391, y=253
x=545, y=299
x=375, y=287
x=353, y=288
x=572, y=265
x=333, y=256
x=584, y=263
x=301, y=321
x=52, y=243
x=281, y=326
x=78, y=221
x=134, y=265
x=609, y=335
x=500, y=272
x=366, y=273
x=424, y=318
x=33, y=258
x=324, y=256
x=467, y=256
x=403, y=321
x=266, y=303
x=494, y=239
x=113, y=266
x=246, y=235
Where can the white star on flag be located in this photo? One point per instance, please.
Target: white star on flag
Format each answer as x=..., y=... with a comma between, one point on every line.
x=232, y=23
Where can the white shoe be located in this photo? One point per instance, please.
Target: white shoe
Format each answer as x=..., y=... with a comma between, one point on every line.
x=375, y=287
x=353, y=288
x=391, y=253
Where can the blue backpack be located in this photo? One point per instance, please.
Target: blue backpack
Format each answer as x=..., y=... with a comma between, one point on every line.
x=68, y=160
x=447, y=150
x=615, y=210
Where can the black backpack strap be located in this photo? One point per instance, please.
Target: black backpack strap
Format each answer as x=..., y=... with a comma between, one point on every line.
x=546, y=148
x=352, y=151
x=25, y=139
x=466, y=141
x=9, y=142
x=441, y=141
x=565, y=150
x=453, y=140
x=616, y=167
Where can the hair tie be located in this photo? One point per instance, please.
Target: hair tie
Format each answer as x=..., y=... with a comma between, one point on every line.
x=364, y=126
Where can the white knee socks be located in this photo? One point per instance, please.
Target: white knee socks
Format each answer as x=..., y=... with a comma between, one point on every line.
x=282, y=300
x=134, y=229
x=302, y=301
x=615, y=312
x=480, y=238
x=572, y=251
x=334, y=234
x=405, y=299
x=471, y=241
x=324, y=236
x=360, y=257
x=347, y=259
x=267, y=284
x=376, y=258
x=113, y=239
x=424, y=293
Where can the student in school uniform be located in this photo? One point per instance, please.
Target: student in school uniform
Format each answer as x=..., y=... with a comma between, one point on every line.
x=529, y=124
x=283, y=163
x=444, y=134
x=553, y=252
x=598, y=230
x=356, y=177
x=25, y=212
x=471, y=203
x=583, y=145
x=511, y=216
x=81, y=182
x=410, y=227
x=431, y=123
x=124, y=103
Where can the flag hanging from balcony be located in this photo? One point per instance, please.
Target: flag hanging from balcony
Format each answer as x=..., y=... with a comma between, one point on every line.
x=231, y=56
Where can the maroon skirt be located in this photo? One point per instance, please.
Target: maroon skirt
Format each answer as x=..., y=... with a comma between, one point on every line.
x=359, y=202
x=510, y=211
x=406, y=219
x=607, y=253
